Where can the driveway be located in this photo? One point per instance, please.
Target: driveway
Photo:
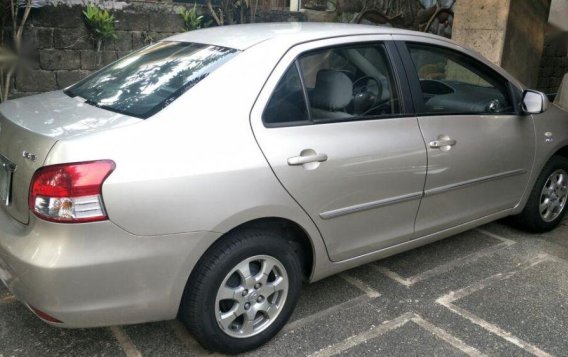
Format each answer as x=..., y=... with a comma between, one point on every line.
x=489, y=291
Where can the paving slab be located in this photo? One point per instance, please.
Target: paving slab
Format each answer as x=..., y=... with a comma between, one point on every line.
x=531, y=305
x=428, y=257
x=323, y=295
x=407, y=340
x=23, y=334
x=317, y=335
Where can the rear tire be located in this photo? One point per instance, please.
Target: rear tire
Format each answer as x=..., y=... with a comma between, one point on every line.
x=547, y=202
x=242, y=291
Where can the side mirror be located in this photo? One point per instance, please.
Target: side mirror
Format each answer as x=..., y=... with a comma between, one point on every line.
x=534, y=102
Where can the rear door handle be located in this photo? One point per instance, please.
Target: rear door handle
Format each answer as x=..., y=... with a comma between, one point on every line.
x=301, y=160
x=436, y=144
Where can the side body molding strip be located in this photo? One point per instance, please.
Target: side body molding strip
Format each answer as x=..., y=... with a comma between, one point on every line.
x=370, y=205
x=416, y=195
x=475, y=181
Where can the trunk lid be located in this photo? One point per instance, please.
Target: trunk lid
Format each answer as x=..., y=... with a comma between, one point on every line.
x=33, y=125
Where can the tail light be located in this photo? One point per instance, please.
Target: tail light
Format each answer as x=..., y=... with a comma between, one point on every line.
x=70, y=193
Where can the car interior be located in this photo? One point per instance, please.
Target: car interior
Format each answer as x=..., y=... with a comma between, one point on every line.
x=451, y=84
x=340, y=83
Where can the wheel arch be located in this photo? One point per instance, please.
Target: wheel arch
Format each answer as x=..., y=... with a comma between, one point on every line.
x=563, y=151
x=299, y=235
x=288, y=230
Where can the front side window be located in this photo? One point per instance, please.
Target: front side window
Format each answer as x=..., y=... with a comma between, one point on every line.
x=341, y=83
x=147, y=80
x=453, y=83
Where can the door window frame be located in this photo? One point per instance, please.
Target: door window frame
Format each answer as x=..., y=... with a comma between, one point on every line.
x=393, y=60
x=513, y=93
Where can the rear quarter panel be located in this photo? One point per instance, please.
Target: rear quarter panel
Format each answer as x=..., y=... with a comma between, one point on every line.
x=195, y=166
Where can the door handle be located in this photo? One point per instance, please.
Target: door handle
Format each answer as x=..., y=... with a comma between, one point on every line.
x=436, y=144
x=443, y=142
x=301, y=160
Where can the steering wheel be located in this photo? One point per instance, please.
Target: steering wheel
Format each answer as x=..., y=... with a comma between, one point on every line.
x=367, y=92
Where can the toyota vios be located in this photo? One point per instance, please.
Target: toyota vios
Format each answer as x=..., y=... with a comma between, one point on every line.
x=208, y=175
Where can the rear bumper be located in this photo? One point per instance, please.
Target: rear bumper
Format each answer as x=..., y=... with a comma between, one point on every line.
x=97, y=274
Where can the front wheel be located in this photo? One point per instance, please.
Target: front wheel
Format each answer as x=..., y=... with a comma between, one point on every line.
x=242, y=291
x=547, y=202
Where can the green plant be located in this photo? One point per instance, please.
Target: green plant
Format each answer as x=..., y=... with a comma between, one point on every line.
x=101, y=24
x=191, y=19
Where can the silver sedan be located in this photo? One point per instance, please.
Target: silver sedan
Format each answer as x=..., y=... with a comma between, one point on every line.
x=208, y=175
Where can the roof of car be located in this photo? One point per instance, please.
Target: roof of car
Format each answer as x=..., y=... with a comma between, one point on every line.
x=242, y=37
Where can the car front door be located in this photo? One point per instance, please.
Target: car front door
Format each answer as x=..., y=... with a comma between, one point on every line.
x=334, y=126
x=480, y=149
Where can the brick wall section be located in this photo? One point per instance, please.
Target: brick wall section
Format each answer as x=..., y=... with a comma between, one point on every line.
x=553, y=65
x=60, y=51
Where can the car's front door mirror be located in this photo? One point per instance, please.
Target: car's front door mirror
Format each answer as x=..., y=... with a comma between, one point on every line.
x=534, y=102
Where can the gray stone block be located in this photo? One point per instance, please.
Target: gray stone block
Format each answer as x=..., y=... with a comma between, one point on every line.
x=131, y=21
x=89, y=60
x=547, y=71
x=67, y=78
x=165, y=22
x=57, y=16
x=543, y=83
x=123, y=42
x=59, y=59
x=92, y=60
x=548, y=50
x=108, y=57
x=558, y=72
x=35, y=81
x=72, y=39
x=547, y=61
x=44, y=37
x=138, y=39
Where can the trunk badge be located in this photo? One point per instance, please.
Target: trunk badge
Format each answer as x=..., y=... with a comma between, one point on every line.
x=28, y=155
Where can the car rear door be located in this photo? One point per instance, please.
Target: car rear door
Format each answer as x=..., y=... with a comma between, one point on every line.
x=480, y=149
x=357, y=167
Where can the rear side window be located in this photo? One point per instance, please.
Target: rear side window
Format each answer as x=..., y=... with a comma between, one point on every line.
x=144, y=82
x=340, y=83
x=454, y=83
x=350, y=82
x=287, y=103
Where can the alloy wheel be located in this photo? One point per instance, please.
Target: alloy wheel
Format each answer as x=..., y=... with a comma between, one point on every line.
x=251, y=296
x=553, y=196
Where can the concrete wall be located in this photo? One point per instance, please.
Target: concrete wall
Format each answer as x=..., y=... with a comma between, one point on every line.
x=510, y=33
x=524, y=40
x=554, y=62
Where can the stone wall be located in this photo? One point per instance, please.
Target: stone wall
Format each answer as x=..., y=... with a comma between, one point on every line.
x=60, y=52
x=553, y=65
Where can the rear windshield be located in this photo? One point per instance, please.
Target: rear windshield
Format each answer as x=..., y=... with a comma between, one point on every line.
x=146, y=81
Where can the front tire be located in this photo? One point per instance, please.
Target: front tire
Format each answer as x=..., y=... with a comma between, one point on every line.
x=242, y=291
x=547, y=202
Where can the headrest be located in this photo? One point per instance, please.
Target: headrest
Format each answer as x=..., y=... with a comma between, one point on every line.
x=333, y=90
